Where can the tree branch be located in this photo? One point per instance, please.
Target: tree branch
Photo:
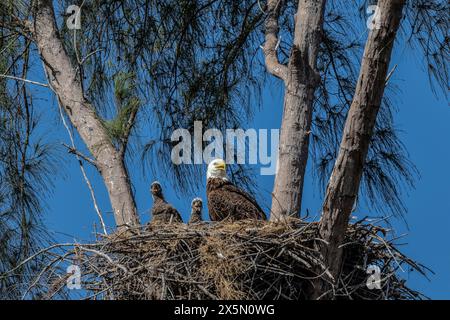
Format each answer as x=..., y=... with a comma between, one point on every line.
x=272, y=42
x=301, y=82
x=24, y=80
x=74, y=151
x=64, y=81
x=344, y=184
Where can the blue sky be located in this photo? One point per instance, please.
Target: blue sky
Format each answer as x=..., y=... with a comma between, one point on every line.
x=423, y=118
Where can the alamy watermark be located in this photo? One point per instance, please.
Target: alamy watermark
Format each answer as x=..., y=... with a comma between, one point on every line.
x=73, y=282
x=73, y=21
x=374, y=20
x=234, y=143
x=232, y=147
x=374, y=279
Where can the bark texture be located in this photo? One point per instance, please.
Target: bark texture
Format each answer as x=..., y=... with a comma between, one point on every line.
x=301, y=80
x=345, y=179
x=62, y=78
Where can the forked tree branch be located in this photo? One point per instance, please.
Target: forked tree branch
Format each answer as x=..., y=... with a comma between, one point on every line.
x=271, y=43
x=66, y=84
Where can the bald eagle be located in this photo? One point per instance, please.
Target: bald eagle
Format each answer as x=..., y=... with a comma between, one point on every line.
x=162, y=211
x=225, y=200
x=196, y=213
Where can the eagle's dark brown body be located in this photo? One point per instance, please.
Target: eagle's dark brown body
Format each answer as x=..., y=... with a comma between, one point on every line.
x=226, y=201
x=163, y=212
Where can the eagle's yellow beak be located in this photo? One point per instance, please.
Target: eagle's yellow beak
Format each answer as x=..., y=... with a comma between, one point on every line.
x=220, y=165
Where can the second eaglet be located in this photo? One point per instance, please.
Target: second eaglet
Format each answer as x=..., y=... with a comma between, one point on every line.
x=225, y=200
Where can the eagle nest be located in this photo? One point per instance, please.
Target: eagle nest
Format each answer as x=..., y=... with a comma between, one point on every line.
x=223, y=260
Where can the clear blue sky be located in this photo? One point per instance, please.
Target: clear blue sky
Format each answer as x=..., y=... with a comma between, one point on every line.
x=423, y=118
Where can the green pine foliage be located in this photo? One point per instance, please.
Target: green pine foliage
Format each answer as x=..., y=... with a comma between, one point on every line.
x=27, y=164
x=127, y=104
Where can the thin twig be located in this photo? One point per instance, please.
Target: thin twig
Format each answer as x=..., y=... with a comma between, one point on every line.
x=79, y=154
x=24, y=80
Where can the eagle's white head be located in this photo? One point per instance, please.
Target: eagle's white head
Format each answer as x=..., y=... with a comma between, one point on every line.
x=217, y=169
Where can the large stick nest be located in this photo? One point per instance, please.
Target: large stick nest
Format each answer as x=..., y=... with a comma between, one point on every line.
x=224, y=260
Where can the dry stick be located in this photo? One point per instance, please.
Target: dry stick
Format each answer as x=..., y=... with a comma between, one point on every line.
x=106, y=257
x=205, y=291
x=390, y=74
x=45, y=269
x=76, y=152
x=38, y=253
x=389, y=250
x=24, y=80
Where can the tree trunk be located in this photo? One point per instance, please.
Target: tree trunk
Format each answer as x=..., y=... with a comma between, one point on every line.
x=345, y=179
x=301, y=80
x=62, y=78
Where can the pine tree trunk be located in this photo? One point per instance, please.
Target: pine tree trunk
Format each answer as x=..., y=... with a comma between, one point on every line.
x=62, y=77
x=301, y=80
x=345, y=179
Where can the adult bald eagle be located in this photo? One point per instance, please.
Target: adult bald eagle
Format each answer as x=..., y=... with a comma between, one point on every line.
x=225, y=200
x=162, y=211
